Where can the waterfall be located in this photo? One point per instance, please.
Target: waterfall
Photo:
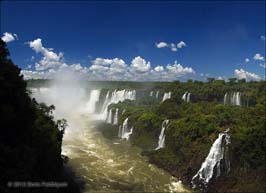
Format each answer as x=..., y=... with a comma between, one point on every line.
x=116, y=117
x=109, y=117
x=233, y=99
x=157, y=94
x=151, y=93
x=116, y=96
x=238, y=99
x=186, y=96
x=212, y=162
x=162, y=135
x=124, y=132
x=225, y=98
x=105, y=101
x=94, y=98
x=166, y=95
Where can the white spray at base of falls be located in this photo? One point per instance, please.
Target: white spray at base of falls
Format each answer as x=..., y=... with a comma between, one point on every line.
x=232, y=99
x=94, y=98
x=162, y=135
x=212, y=162
x=186, y=96
x=124, y=131
x=166, y=95
x=116, y=117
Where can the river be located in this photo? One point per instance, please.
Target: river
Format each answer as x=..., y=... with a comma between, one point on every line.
x=102, y=164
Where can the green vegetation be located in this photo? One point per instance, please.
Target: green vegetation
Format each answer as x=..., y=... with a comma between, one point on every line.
x=194, y=127
x=30, y=139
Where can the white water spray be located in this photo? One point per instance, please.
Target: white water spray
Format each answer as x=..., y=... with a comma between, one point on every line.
x=233, y=99
x=186, y=96
x=124, y=131
x=157, y=94
x=116, y=117
x=116, y=97
x=109, y=118
x=166, y=95
x=212, y=163
x=94, y=98
x=161, y=140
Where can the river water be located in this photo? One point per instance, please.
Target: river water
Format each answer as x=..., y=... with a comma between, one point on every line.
x=103, y=165
x=106, y=165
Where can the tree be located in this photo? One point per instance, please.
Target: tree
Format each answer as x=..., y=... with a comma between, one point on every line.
x=30, y=140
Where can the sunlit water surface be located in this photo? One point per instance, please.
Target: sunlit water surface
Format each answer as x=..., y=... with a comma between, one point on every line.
x=112, y=165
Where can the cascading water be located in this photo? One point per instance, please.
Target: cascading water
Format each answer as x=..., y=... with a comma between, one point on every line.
x=116, y=117
x=105, y=101
x=94, y=98
x=225, y=98
x=166, y=95
x=162, y=135
x=116, y=97
x=124, y=131
x=157, y=94
x=109, y=117
x=186, y=96
x=233, y=99
x=103, y=165
x=212, y=163
x=151, y=93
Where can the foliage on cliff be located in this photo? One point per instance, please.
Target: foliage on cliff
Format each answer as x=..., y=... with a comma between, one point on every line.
x=30, y=139
x=194, y=126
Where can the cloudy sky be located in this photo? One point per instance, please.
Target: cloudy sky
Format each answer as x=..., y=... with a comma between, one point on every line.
x=140, y=41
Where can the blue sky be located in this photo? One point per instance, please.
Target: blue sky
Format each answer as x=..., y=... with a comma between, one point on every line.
x=220, y=39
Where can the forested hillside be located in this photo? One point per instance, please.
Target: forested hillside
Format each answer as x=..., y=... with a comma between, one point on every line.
x=30, y=139
x=195, y=124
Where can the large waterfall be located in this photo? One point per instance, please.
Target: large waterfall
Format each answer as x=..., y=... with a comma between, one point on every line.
x=186, y=96
x=116, y=117
x=233, y=98
x=124, y=131
x=151, y=93
x=213, y=162
x=166, y=95
x=116, y=96
x=94, y=98
x=162, y=135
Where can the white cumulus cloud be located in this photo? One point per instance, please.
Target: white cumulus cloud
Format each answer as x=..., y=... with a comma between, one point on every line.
x=172, y=46
x=50, y=59
x=181, y=44
x=247, y=60
x=161, y=45
x=242, y=74
x=9, y=37
x=258, y=57
x=159, y=68
x=263, y=65
x=139, y=64
x=178, y=69
x=52, y=64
